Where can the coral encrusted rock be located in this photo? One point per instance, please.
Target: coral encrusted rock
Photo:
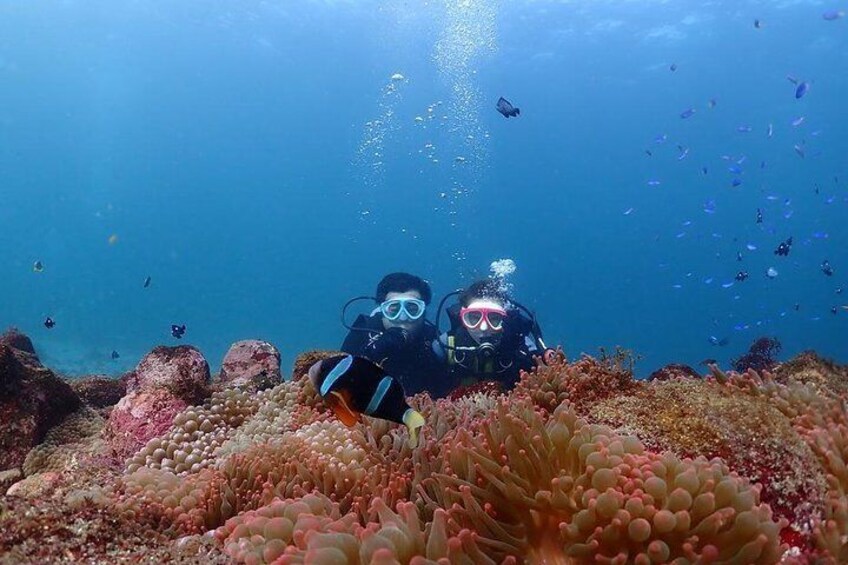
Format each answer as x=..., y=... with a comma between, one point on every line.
x=251, y=365
x=32, y=399
x=166, y=382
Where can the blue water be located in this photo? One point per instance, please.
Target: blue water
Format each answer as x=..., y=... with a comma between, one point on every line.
x=232, y=148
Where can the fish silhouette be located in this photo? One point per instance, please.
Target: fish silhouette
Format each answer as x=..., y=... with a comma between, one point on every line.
x=506, y=108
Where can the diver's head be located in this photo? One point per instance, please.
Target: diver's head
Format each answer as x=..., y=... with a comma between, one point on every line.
x=483, y=312
x=403, y=299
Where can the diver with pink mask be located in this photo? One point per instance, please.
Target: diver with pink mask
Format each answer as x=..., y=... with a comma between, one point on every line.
x=491, y=338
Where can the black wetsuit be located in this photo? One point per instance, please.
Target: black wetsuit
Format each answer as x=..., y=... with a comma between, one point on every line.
x=413, y=363
x=470, y=364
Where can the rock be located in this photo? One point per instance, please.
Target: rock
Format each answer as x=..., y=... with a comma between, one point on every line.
x=181, y=370
x=32, y=399
x=35, y=486
x=251, y=365
x=167, y=381
x=674, y=371
x=308, y=358
x=8, y=478
x=16, y=340
x=99, y=391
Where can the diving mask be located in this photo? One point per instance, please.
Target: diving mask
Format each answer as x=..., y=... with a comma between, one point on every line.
x=483, y=317
x=393, y=309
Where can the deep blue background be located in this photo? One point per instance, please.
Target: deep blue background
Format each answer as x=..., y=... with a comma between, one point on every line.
x=224, y=144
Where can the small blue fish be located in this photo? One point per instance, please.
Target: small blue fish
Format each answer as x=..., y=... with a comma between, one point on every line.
x=751, y=247
x=736, y=182
x=628, y=211
x=704, y=170
x=801, y=90
x=758, y=24
x=744, y=129
x=711, y=103
x=661, y=138
x=653, y=183
x=832, y=15
x=673, y=67
x=770, y=131
x=799, y=149
x=688, y=113
x=798, y=121
x=735, y=169
x=684, y=151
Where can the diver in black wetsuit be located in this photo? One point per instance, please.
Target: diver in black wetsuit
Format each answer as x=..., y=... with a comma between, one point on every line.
x=397, y=336
x=492, y=338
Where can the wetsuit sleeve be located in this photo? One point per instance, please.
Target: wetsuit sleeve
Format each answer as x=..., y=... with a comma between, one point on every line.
x=356, y=339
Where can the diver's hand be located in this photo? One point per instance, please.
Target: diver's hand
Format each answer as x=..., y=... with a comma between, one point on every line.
x=391, y=340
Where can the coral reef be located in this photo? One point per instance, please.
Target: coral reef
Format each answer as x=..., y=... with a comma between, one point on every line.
x=99, y=391
x=250, y=365
x=760, y=356
x=673, y=371
x=32, y=399
x=167, y=381
x=580, y=463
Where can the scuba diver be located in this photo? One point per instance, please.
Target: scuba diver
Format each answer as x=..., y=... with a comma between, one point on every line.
x=397, y=336
x=491, y=338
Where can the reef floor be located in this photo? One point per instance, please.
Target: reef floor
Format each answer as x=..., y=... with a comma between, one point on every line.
x=580, y=463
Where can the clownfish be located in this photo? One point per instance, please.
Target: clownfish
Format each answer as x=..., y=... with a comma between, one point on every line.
x=353, y=386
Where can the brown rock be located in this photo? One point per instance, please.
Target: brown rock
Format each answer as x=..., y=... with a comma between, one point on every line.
x=99, y=391
x=307, y=359
x=251, y=365
x=32, y=400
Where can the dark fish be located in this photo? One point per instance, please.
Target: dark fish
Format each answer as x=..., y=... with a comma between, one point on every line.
x=784, y=248
x=49, y=323
x=801, y=89
x=831, y=15
x=826, y=268
x=115, y=354
x=353, y=386
x=147, y=281
x=797, y=306
x=759, y=216
x=648, y=153
x=736, y=182
x=672, y=67
x=833, y=310
x=839, y=290
x=799, y=149
x=687, y=113
x=711, y=103
x=758, y=24
x=741, y=276
x=704, y=170
x=178, y=331
x=507, y=109
x=37, y=267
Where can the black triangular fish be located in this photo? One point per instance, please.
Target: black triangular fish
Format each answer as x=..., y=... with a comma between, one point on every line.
x=352, y=386
x=506, y=108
